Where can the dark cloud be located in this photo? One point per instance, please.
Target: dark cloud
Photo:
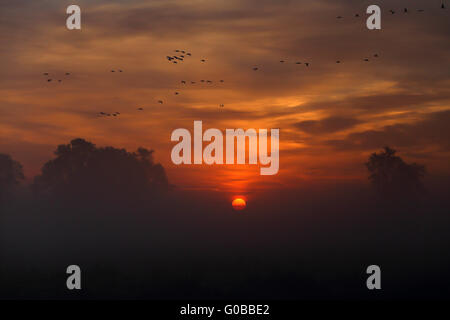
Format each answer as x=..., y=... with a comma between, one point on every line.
x=433, y=131
x=379, y=103
x=327, y=125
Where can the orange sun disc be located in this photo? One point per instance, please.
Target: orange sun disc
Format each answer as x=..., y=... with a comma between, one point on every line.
x=238, y=204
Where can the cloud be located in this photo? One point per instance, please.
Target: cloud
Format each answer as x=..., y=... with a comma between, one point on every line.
x=434, y=130
x=327, y=125
x=352, y=106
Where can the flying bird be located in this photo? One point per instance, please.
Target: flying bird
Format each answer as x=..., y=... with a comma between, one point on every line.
x=298, y=62
x=307, y=64
x=255, y=68
x=188, y=54
x=221, y=81
x=376, y=55
x=46, y=74
x=338, y=61
x=67, y=73
x=176, y=93
x=183, y=82
x=203, y=60
x=49, y=80
x=366, y=59
x=282, y=61
x=405, y=10
x=160, y=101
x=356, y=15
x=141, y=109
x=339, y=17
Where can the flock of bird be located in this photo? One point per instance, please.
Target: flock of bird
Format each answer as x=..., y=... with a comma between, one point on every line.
x=46, y=74
x=181, y=55
x=391, y=11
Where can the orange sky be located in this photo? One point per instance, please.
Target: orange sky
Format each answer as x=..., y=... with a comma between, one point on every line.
x=331, y=116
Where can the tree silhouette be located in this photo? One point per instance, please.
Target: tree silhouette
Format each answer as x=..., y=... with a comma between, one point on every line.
x=393, y=178
x=83, y=171
x=11, y=173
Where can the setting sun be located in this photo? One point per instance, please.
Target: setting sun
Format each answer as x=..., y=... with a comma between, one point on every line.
x=239, y=204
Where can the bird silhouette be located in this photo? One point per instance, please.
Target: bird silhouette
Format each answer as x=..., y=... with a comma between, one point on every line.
x=339, y=17
x=282, y=61
x=176, y=93
x=203, y=60
x=160, y=101
x=307, y=64
x=255, y=68
x=376, y=55
x=140, y=109
x=405, y=10
x=338, y=61
x=67, y=73
x=221, y=105
x=298, y=62
x=188, y=54
x=221, y=81
x=49, y=80
x=183, y=82
x=366, y=59
x=356, y=15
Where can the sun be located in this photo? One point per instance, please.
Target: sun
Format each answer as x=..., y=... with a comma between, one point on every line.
x=239, y=204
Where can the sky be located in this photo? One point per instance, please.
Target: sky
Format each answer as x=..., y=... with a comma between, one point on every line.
x=331, y=116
